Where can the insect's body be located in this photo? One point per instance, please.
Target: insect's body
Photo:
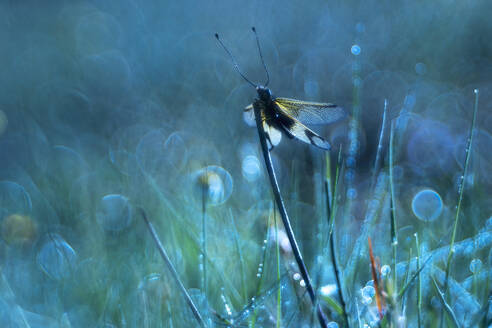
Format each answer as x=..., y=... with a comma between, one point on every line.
x=265, y=102
x=271, y=115
x=289, y=115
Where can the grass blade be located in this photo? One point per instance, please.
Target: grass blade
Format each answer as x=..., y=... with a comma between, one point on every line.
x=394, y=235
x=446, y=306
x=240, y=254
x=375, y=279
x=377, y=161
x=414, y=276
x=285, y=217
x=419, y=291
x=277, y=253
x=337, y=277
x=461, y=189
x=171, y=268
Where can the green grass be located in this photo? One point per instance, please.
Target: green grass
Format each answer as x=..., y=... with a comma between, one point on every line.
x=277, y=298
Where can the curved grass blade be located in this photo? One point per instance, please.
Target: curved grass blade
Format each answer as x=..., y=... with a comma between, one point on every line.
x=171, y=268
x=446, y=306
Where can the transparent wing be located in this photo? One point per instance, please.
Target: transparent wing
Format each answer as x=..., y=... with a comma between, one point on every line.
x=310, y=112
x=297, y=130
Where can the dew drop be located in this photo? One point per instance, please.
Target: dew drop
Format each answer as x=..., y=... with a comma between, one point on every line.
x=385, y=270
x=475, y=265
x=368, y=291
x=351, y=193
x=366, y=300
x=328, y=290
x=355, y=50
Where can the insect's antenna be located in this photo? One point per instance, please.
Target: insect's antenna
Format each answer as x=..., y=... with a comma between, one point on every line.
x=261, y=56
x=233, y=61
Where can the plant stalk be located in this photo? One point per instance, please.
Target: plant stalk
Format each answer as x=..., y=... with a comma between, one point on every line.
x=285, y=218
x=171, y=268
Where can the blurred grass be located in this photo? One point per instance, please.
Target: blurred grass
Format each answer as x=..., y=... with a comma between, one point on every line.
x=133, y=100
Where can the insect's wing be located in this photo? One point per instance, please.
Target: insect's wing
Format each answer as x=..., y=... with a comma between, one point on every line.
x=297, y=130
x=310, y=112
x=273, y=135
x=248, y=108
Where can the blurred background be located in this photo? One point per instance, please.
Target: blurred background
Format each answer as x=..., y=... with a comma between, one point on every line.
x=110, y=105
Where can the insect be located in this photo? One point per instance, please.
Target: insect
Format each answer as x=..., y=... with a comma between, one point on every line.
x=288, y=115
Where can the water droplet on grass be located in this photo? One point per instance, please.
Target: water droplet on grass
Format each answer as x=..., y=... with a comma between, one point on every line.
x=366, y=300
x=368, y=291
x=385, y=270
x=351, y=193
x=355, y=50
x=328, y=290
x=475, y=265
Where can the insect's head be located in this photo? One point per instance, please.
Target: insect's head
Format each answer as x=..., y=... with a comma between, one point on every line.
x=264, y=93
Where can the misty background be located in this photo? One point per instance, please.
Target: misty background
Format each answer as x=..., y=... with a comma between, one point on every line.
x=106, y=105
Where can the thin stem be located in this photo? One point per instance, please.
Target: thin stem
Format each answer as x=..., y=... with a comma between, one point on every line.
x=331, y=206
x=377, y=161
x=261, y=269
x=448, y=308
x=204, y=237
x=394, y=235
x=240, y=255
x=337, y=277
x=279, y=291
x=171, y=268
x=405, y=281
x=284, y=216
x=419, y=291
x=461, y=189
